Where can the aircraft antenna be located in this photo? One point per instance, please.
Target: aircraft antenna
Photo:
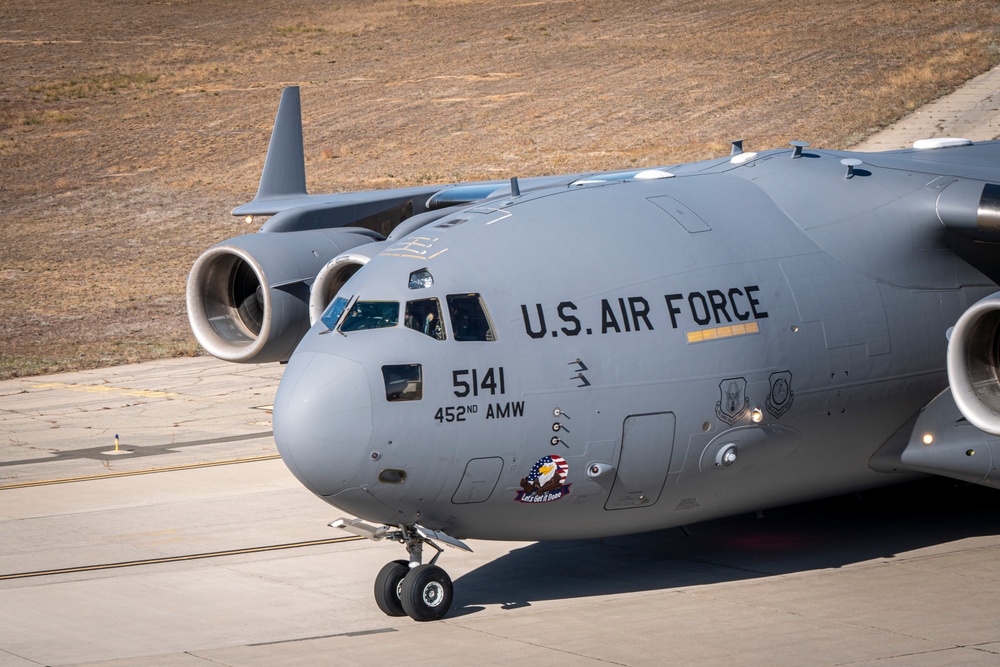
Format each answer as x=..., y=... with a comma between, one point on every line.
x=798, y=145
x=515, y=189
x=850, y=163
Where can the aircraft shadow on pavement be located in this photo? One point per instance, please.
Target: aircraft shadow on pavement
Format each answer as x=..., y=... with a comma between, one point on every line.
x=878, y=524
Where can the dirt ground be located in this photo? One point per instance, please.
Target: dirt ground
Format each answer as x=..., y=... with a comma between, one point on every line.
x=130, y=128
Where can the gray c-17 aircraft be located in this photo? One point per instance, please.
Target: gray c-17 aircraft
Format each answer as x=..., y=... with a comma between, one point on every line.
x=607, y=353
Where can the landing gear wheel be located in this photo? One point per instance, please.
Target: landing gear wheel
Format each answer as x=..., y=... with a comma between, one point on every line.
x=426, y=593
x=388, y=589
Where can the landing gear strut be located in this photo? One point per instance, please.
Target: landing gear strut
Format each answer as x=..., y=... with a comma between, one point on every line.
x=422, y=591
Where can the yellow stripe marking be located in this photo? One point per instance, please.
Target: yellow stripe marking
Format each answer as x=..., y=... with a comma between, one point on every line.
x=145, y=471
x=104, y=389
x=178, y=559
x=730, y=331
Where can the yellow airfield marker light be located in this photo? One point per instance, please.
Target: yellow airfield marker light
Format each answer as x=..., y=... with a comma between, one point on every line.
x=117, y=451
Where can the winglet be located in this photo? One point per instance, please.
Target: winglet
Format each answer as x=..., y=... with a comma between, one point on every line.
x=284, y=172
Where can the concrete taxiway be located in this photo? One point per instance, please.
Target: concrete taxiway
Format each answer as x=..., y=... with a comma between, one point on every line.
x=971, y=112
x=193, y=545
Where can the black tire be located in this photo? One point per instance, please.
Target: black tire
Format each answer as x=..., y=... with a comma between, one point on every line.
x=426, y=593
x=387, y=587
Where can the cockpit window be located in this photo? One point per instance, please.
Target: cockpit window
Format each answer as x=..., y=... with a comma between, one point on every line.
x=371, y=315
x=424, y=315
x=333, y=312
x=403, y=382
x=469, y=319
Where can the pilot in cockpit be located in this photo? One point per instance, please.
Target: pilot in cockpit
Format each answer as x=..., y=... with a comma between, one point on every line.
x=423, y=315
x=430, y=326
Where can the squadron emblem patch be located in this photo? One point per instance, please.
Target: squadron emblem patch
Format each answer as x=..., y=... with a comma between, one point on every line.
x=779, y=398
x=546, y=481
x=733, y=402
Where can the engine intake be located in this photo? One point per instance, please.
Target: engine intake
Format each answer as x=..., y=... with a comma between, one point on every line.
x=248, y=297
x=973, y=363
x=330, y=279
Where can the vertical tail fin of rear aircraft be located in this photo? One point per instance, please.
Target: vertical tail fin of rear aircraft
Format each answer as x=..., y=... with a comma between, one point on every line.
x=284, y=172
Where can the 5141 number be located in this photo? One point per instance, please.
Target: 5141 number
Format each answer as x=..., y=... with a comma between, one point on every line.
x=467, y=382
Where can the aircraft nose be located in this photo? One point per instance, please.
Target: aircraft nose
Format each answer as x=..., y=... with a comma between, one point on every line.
x=323, y=420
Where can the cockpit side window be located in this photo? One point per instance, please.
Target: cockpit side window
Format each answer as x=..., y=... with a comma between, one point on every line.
x=469, y=319
x=403, y=382
x=371, y=315
x=333, y=312
x=424, y=315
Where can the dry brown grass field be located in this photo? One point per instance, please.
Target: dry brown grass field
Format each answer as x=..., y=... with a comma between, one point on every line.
x=130, y=128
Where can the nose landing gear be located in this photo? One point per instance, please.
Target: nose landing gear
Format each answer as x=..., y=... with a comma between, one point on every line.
x=422, y=591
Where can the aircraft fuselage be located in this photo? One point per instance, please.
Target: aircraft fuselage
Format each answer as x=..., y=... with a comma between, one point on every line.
x=645, y=353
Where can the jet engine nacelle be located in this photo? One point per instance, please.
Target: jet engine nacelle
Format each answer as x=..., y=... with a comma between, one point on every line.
x=248, y=297
x=330, y=279
x=973, y=364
